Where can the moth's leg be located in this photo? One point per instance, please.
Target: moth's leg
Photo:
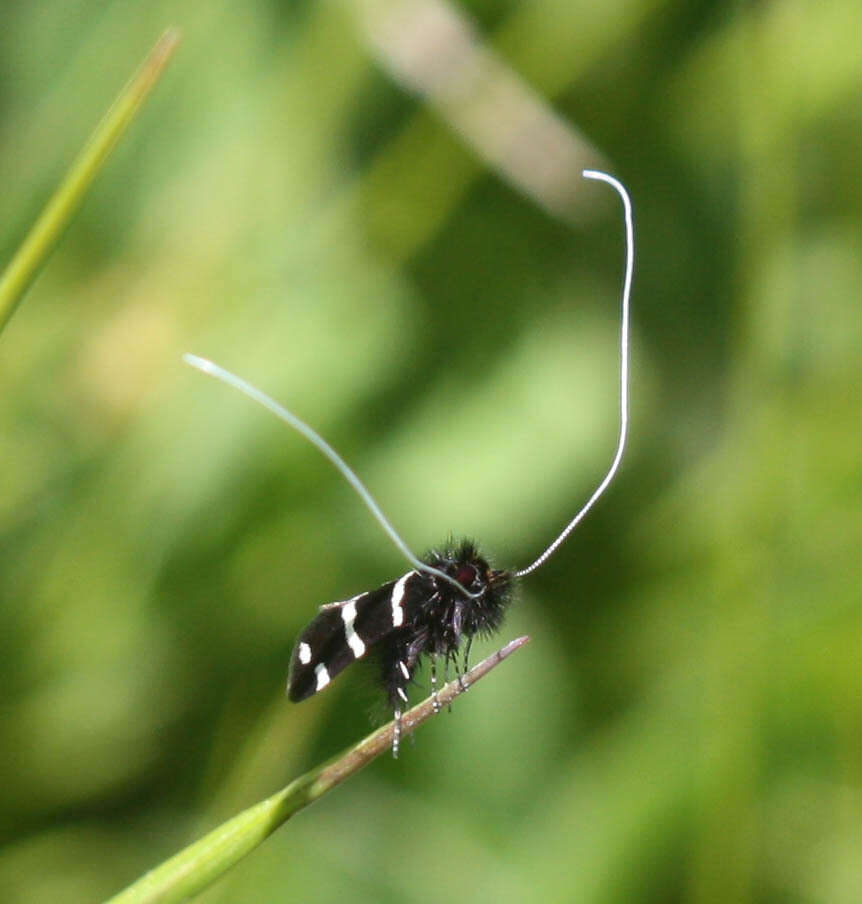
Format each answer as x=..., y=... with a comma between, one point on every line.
x=435, y=703
x=466, y=667
x=415, y=648
x=397, y=672
x=446, y=660
x=400, y=698
x=458, y=673
x=452, y=658
x=396, y=737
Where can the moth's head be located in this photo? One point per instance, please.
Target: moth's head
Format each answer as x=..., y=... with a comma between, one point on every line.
x=471, y=570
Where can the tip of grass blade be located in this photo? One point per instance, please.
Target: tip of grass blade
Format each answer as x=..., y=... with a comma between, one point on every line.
x=418, y=714
x=160, y=53
x=380, y=741
x=45, y=233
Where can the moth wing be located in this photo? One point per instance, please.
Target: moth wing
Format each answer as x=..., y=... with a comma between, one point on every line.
x=343, y=632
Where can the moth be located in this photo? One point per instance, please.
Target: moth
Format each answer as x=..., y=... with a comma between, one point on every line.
x=419, y=614
x=448, y=598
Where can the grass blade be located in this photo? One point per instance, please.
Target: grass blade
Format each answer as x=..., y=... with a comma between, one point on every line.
x=201, y=863
x=46, y=231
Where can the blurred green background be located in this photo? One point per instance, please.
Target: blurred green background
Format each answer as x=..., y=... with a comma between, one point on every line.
x=687, y=723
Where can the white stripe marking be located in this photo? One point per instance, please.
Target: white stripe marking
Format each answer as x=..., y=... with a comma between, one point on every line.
x=402, y=695
x=404, y=670
x=397, y=599
x=354, y=641
x=304, y=653
x=322, y=676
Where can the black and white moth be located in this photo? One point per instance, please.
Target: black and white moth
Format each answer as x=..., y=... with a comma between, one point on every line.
x=448, y=598
x=419, y=614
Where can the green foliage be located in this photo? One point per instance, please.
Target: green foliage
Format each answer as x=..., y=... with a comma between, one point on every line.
x=685, y=724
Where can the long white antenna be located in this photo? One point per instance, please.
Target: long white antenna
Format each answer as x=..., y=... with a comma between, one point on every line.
x=213, y=370
x=624, y=375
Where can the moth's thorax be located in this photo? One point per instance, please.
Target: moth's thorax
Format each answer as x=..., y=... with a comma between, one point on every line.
x=450, y=614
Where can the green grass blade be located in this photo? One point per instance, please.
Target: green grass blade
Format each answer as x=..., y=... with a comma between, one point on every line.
x=201, y=863
x=46, y=232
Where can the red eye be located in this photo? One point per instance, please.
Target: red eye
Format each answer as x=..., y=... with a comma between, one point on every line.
x=465, y=575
